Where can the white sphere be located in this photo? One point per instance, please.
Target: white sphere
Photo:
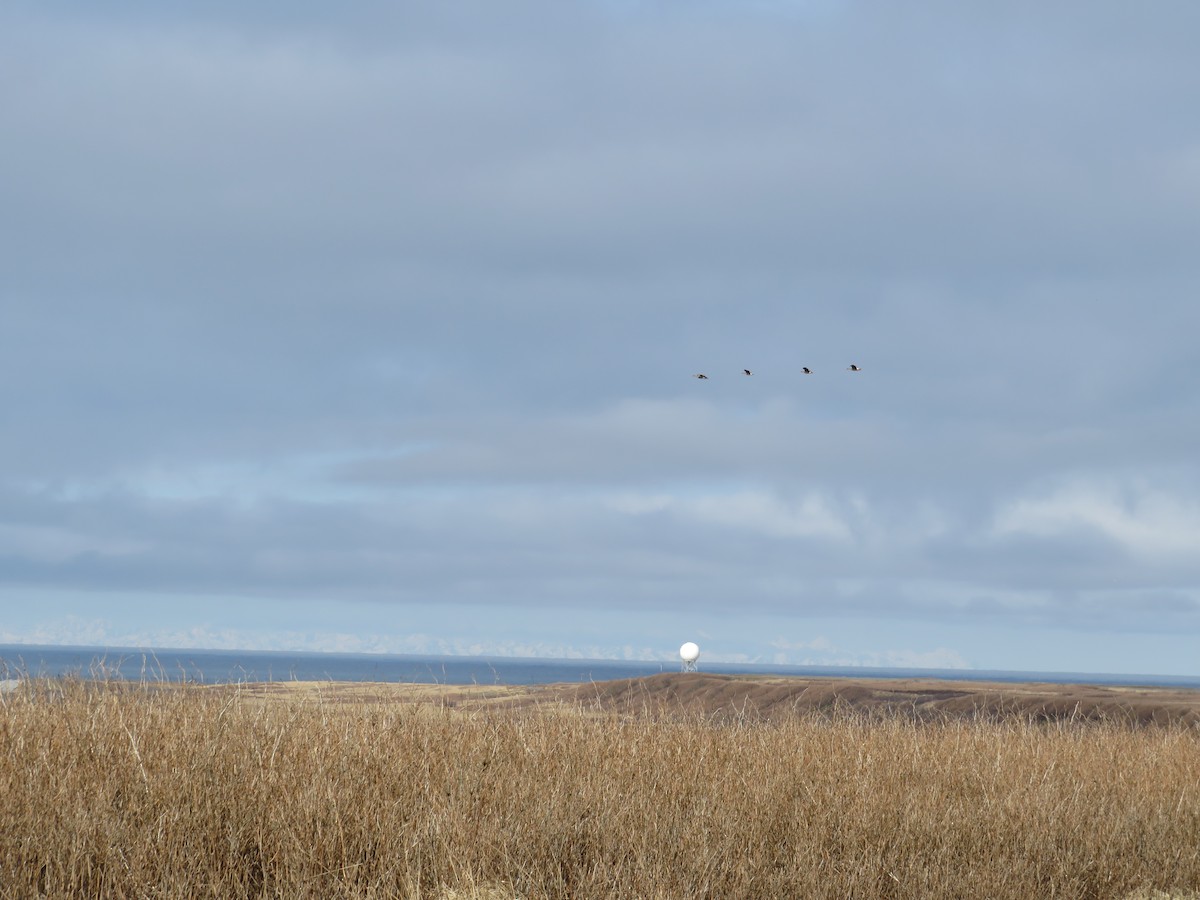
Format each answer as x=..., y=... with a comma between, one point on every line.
x=689, y=652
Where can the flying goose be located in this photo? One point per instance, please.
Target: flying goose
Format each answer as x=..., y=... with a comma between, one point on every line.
x=853, y=368
x=806, y=370
x=747, y=372
x=701, y=375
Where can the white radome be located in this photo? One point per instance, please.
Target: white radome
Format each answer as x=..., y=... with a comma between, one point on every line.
x=689, y=652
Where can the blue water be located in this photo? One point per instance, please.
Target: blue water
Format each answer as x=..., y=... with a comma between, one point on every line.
x=231, y=666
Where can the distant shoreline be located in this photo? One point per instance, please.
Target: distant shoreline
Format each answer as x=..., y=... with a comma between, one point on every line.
x=231, y=666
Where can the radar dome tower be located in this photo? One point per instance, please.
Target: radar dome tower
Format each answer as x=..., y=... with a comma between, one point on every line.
x=689, y=653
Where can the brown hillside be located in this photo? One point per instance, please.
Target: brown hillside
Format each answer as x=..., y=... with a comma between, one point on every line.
x=766, y=697
x=755, y=697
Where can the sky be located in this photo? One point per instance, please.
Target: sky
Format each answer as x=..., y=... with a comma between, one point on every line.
x=373, y=327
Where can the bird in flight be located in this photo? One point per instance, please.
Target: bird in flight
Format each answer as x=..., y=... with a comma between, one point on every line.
x=853, y=367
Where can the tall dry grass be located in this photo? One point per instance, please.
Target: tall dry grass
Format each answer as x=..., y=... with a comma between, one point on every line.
x=151, y=792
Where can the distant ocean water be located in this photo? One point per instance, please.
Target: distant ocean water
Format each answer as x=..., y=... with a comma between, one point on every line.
x=233, y=666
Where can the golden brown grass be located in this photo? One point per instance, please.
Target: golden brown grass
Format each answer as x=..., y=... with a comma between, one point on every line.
x=143, y=791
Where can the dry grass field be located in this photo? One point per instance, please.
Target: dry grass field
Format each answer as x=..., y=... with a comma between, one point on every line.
x=668, y=787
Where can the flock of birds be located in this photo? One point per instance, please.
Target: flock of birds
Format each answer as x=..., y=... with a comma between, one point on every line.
x=805, y=369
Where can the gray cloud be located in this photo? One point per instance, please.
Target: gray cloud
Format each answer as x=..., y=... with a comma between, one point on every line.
x=404, y=305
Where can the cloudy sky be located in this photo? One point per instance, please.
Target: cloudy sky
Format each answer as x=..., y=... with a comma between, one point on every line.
x=373, y=328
